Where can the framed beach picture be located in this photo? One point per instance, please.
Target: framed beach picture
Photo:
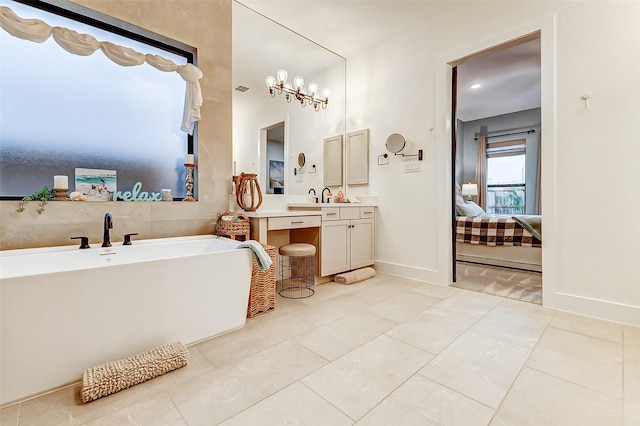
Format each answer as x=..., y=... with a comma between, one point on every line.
x=276, y=176
x=96, y=184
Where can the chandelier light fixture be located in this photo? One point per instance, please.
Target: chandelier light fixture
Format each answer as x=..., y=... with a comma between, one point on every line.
x=296, y=90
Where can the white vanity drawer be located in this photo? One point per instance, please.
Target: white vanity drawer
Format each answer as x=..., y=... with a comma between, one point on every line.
x=349, y=213
x=367, y=212
x=330, y=213
x=293, y=222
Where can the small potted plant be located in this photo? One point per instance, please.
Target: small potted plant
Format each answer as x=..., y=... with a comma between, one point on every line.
x=43, y=195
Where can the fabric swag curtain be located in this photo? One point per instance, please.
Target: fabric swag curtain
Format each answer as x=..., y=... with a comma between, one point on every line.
x=84, y=45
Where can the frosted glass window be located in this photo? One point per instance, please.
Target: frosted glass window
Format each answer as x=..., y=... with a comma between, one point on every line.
x=60, y=111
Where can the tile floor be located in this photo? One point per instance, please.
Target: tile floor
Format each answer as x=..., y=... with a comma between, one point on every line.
x=386, y=351
x=506, y=282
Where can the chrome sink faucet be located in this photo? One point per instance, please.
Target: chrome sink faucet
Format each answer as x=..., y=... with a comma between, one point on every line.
x=108, y=224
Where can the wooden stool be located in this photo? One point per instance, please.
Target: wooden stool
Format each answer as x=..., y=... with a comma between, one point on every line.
x=297, y=270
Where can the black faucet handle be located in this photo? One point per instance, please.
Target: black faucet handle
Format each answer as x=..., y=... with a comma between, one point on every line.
x=127, y=239
x=84, y=242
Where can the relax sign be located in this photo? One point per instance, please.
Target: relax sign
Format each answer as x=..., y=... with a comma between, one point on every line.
x=136, y=195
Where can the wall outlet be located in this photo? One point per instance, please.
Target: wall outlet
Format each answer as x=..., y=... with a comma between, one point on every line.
x=412, y=167
x=299, y=178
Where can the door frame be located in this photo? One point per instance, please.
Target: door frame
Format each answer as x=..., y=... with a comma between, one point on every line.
x=546, y=28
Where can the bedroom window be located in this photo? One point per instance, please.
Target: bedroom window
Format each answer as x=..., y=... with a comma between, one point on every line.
x=506, y=177
x=63, y=111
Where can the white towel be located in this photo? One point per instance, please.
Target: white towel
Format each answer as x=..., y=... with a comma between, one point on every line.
x=262, y=257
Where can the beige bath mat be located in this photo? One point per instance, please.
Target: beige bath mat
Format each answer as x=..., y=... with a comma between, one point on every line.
x=105, y=379
x=355, y=276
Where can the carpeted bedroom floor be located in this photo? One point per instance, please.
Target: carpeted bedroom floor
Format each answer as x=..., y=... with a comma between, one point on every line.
x=505, y=282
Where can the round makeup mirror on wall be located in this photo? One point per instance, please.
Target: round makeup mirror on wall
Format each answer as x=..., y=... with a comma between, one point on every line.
x=301, y=160
x=395, y=143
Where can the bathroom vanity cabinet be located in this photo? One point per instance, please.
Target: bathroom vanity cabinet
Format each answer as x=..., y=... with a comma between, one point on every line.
x=344, y=235
x=346, y=239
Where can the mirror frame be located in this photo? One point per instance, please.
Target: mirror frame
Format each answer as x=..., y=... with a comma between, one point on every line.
x=393, y=140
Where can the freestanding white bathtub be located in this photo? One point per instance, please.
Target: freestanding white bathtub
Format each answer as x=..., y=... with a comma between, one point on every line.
x=63, y=310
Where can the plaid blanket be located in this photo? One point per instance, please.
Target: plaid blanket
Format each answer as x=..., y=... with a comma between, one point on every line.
x=493, y=231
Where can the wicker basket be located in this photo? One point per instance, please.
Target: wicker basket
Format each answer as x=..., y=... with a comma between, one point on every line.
x=237, y=226
x=262, y=296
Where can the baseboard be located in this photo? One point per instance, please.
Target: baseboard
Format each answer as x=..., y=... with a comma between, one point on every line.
x=591, y=307
x=412, y=272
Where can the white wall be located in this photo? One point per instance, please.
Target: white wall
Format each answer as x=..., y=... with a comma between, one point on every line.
x=589, y=156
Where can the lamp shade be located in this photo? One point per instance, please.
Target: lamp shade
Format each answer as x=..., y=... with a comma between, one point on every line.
x=469, y=189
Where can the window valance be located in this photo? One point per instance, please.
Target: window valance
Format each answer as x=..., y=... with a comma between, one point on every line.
x=39, y=31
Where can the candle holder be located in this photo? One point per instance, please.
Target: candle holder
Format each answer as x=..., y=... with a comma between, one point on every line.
x=60, y=194
x=189, y=180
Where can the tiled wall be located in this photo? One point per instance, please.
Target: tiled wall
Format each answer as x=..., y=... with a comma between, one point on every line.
x=205, y=24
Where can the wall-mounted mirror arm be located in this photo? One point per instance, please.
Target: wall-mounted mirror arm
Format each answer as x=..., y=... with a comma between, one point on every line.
x=396, y=143
x=419, y=155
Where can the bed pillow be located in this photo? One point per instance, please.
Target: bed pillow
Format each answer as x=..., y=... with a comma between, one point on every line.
x=459, y=197
x=469, y=208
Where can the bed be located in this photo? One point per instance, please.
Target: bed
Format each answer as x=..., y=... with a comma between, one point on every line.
x=508, y=241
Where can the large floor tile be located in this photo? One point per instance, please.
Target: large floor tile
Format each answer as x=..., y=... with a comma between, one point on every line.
x=421, y=401
x=293, y=405
x=631, y=393
x=216, y=396
x=339, y=337
x=9, y=415
x=157, y=410
x=332, y=309
x=402, y=306
x=478, y=366
x=435, y=290
x=537, y=398
x=384, y=290
x=470, y=303
x=581, y=359
x=358, y=381
x=515, y=322
x=433, y=329
x=588, y=326
x=259, y=333
x=631, y=343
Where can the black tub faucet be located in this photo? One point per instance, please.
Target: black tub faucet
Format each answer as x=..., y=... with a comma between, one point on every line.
x=108, y=224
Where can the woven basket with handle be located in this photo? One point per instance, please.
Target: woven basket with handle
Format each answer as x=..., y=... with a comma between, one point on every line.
x=237, y=226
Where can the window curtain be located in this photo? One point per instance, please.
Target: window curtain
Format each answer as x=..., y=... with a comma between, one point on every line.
x=481, y=171
x=84, y=45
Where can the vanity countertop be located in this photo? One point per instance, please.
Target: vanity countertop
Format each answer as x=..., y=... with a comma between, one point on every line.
x=281, y=213
x=320, y=205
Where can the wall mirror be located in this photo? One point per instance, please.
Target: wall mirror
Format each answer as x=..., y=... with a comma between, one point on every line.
x=260, y=48
x=395, y=143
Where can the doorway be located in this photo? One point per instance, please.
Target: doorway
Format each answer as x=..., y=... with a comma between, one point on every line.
x=272, y=144
x=496, y=97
